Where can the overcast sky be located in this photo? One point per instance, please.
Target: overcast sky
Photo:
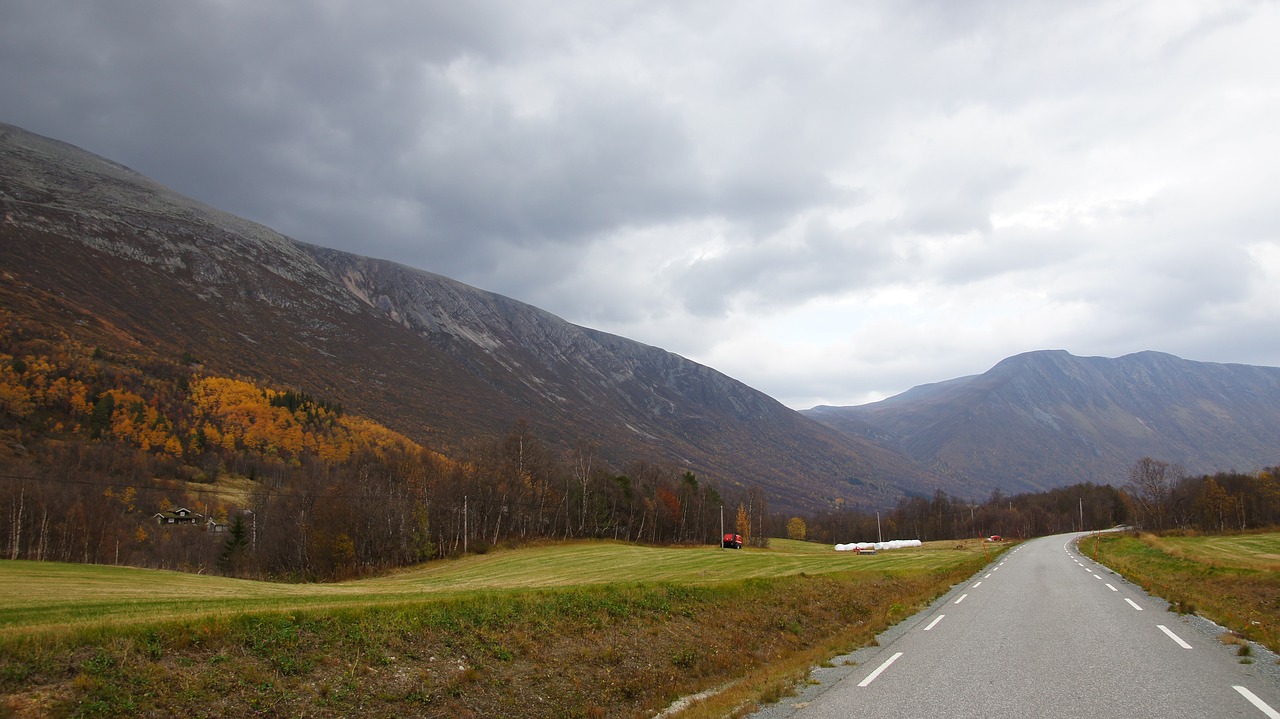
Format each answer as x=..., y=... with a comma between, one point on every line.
x=830, y=201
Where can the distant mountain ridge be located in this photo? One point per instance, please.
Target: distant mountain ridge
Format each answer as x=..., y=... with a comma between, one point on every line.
x=1048, y=418
x=94, y=250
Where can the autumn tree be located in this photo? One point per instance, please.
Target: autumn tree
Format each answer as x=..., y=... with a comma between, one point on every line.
x=796, y=529
x=1213, y=505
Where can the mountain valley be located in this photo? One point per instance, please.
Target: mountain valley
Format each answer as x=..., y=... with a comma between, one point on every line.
x=92, y=251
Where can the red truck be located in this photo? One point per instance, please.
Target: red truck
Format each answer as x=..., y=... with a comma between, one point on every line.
x=732, y=541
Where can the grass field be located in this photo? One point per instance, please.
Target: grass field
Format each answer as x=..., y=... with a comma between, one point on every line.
x=42, y=596
x=591, y=629
x=1231, y=579
x=1241, y=551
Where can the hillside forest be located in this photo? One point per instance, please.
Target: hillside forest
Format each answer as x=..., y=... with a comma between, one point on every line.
x=126, y=458
x=99, y=449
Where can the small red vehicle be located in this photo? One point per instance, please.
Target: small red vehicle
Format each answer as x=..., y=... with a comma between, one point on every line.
x=732, y=541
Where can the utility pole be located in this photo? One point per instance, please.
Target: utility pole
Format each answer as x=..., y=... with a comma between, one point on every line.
x=722, y=526
x=879, y=536
x=1081, y=514
x=464, y=524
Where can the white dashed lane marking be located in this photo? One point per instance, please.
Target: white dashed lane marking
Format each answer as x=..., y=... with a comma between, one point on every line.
x=1174, y=637
x=872, y=676
x=1254, y=700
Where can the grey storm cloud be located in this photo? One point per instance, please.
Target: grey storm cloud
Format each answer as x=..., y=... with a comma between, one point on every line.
x=828, y=200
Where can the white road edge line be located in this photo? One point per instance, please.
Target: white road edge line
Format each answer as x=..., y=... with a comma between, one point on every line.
x=872, y=676
x=1133, y=604
x=961, y=599
x=1111, y=587
x=1254, y=700
x=1097, y=576
x=1174, y=637
x=934, y=623
x=977, y=584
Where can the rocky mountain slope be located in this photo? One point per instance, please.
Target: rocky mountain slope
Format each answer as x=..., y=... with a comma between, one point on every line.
x=1047, y=419
x=94, y=250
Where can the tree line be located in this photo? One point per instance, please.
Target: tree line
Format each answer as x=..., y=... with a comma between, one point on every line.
x=1163, y=497
x=946, y=517
x=96, y=448
x=376, y=510
x=1157, y=496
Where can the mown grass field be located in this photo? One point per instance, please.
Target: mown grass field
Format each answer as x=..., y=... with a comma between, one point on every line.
x=1241, y=551
x=586, y=629
x=1233, y=580
x=47, y=596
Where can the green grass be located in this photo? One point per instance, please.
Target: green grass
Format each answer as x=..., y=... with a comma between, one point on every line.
x=1237, y=551
x=1229, y=579
x=576, y=630
x=584, y=629
x=45, y=596
x=583, y=563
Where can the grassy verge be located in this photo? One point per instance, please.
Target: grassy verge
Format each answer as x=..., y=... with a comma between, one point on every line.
x=1230, y=580
x=624, y=648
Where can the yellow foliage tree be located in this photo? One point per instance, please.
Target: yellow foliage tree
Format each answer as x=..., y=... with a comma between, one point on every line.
x=15, y=398
x=743, y=524
x=173, y=447
x=213, y=414
x=796, y=529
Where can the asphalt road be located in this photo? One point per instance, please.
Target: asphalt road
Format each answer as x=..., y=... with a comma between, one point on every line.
x=1043, y=632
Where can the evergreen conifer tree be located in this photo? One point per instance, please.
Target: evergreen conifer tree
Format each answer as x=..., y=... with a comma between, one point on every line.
x=232, y=559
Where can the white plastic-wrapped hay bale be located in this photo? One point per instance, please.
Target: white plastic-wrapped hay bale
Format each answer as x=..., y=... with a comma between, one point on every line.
x=878, y=546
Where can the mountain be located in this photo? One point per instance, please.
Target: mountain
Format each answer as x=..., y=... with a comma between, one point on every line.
x=94, y=251
x=1047, y=419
